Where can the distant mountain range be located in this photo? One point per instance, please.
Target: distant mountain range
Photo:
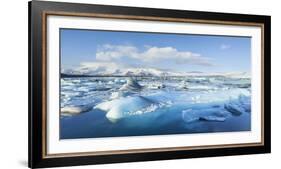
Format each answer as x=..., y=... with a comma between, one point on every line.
x=86, y=72
x=120, y=72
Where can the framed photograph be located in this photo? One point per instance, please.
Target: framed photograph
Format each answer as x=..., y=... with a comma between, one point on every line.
x=112, y=84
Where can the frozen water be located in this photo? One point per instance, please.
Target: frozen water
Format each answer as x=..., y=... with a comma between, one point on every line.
x=126, y=106
x=131, y=85
x=71, y=110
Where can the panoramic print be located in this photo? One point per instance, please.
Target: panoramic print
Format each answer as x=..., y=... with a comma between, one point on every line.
x=120, y=83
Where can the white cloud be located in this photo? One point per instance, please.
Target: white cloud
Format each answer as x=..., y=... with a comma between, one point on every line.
x=119, y=53
x=115, y=52
x=224, y=46
x=99, y=67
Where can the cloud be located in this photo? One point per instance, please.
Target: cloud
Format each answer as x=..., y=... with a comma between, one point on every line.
x=224, y=47
x=151, y=54
x=99, y=67
x=115, y=52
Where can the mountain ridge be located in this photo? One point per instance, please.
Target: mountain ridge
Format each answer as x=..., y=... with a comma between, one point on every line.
x=144, y=72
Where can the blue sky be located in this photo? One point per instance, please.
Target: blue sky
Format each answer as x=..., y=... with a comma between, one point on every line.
x=178, y=52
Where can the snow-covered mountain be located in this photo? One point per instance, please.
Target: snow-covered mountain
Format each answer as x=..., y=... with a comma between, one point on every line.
x=112, y=70
x=121, y=72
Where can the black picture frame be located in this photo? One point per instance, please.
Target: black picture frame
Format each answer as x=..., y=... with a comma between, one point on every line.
x=37, y=11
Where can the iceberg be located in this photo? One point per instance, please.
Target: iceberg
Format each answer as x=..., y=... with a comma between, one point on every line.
x=156, y=86
x=119, y=81
x=234, y=109
x=183, y=85
x=245, y=103
x=124, y=107
x=74, y=110
x=131, y=84
x=189, y=116
x=116, y=95
x=208, y=114
x=239, y=106
x=125, y=104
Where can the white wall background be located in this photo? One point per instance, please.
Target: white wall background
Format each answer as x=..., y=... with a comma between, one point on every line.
x=13, y=84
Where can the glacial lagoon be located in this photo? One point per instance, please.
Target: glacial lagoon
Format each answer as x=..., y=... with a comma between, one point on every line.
x=94, y=107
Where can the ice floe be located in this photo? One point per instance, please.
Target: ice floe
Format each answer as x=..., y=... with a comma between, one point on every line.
x=156, y=86
x=239, y=106
x=73, y=110
x=207, y=114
